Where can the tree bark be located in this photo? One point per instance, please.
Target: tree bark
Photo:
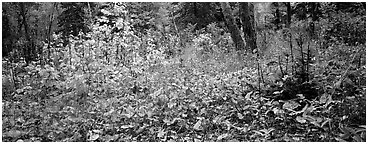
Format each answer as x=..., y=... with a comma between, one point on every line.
x=231, y=25
x=278, y=16
x=247, y=16
x=288, y=25
x=24, y=22
x=28, y=48
x=288, y=9
x=314, y=7
x=49, y=34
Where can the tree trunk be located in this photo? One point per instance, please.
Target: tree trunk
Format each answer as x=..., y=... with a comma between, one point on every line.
x=7, y=43
x=51, y=18
x=288, y=8
x=314, y=7
x=231, y=25
x=49, y=34
x=247, y=16
x=278, y=16
x=288, y=24
x=195, y=9
x=28, y=48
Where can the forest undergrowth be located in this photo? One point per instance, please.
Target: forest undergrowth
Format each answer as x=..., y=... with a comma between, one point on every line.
x=202, y=92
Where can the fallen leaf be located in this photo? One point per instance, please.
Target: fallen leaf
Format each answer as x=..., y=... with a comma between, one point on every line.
x=323, y=99
x=97, y=131
x=290, y=105
x=171, y=104
x=225, y=135
x=277, y=111
x=126, y=126
x=301, y=119
x=233, y=140
x=338, y=84
x=198, y=126
x=149, y=114
x=197, y=140
x=161, y=133
x=20, y=119
x=240, y=116
x=94, y=137
x=13, y=133
x=141, y=129
x=357, y=138
x=247, y=96
x=112, y=138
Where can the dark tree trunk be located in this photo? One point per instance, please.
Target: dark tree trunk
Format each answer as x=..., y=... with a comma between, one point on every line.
x=278, y=16
x=247, y=16
x=288, y=9
x=314, y=7
x=28, y=47
x=288, y=23
x=195, y=9
x=7, y=42
x=231, y=25
x=51, y=17
x=19, y=21
x=24, y=22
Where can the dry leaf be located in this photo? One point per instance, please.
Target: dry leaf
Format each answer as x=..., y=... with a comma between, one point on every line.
x=198, y=125
x=161, y=133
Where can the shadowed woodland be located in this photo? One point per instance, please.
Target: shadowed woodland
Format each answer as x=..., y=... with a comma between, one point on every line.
x=183, y=72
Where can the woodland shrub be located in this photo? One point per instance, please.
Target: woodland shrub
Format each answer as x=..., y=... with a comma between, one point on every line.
x=344, y=28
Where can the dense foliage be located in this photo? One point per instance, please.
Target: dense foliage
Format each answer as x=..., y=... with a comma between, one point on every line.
x=159, y=72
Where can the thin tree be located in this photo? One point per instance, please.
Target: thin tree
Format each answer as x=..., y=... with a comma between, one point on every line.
x=27, y=49
x=231, y=25
x=288, y=9
x=49, y=34
x=247, y=17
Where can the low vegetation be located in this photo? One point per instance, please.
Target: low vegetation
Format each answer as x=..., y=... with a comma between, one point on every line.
x=187, y=86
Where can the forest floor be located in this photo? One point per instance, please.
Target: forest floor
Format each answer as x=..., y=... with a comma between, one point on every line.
x=188, y=101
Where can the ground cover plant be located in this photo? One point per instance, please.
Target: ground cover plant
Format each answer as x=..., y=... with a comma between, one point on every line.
x=183, y=72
